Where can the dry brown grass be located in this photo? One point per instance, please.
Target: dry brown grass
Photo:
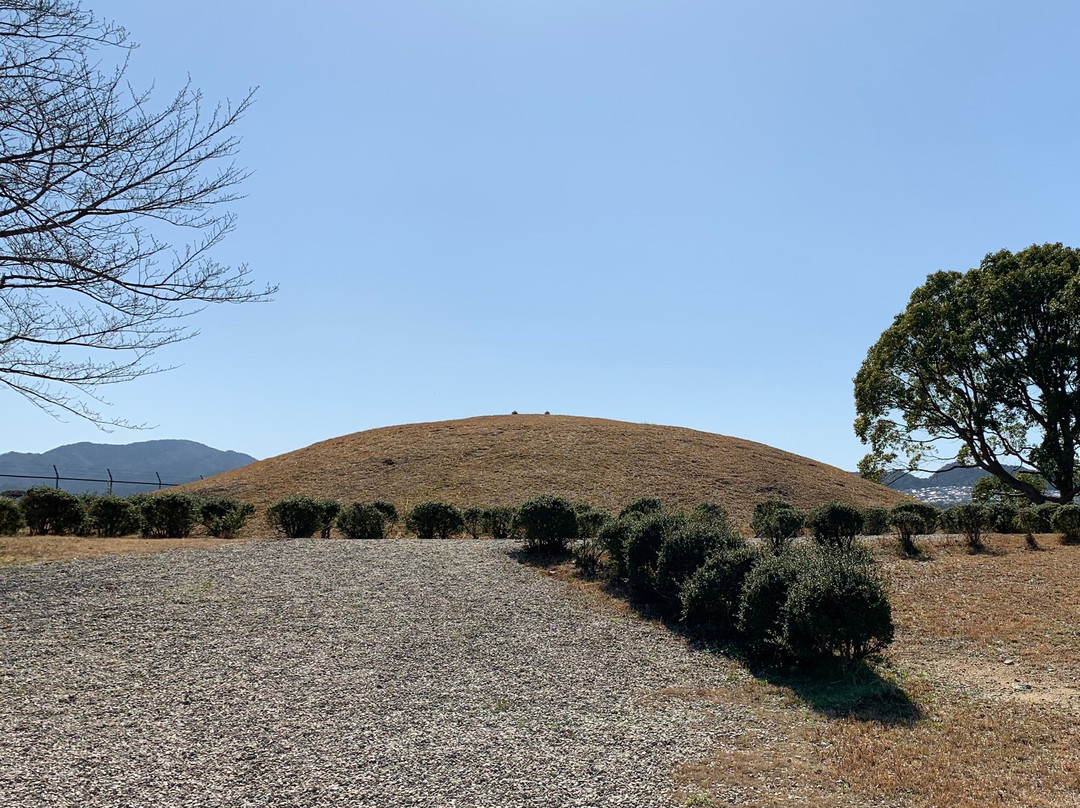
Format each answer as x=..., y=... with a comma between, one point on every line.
x=505, y=460
x=36, y=549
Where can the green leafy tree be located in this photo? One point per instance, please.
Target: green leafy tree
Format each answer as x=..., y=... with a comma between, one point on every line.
x=987, y=360
x=991, y=489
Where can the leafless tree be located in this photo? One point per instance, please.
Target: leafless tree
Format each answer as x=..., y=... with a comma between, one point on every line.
x=110, y=209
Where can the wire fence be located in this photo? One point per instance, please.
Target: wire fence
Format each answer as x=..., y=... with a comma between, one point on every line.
x=56, y=478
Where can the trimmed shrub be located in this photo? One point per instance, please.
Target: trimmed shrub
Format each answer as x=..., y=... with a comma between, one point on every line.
x=928, y=515
x=473, y=519
x=835, y=524
x=588, y=553
x=875, y=521
x=387, y=509
x=711, y=596
x=1003, y=516
x=907, y=526
x=682, y=553
x=498, y=522
x=777, y=522
x=761, y=607
x=224, y=517
x=1046, y=513
x=643, y=507
x=361, y=521
x=50, y=510
x=168, y=516
x=1030, y=522
x=328, y=511
x=110, y=516
x=11, y=518
x=837, y=608
x=643, y=544
x=547, y=524
x=972, y=520
x=298, y=517
x=590, y=520
x=613, y=537
x=1066, y=521
x=430, y=519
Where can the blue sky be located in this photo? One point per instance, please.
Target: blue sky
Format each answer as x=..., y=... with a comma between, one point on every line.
x=688, y=213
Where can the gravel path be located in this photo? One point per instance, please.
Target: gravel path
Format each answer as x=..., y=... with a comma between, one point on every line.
x=326, y=673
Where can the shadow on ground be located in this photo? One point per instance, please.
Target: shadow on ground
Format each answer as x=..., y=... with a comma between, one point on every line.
x=863, y=692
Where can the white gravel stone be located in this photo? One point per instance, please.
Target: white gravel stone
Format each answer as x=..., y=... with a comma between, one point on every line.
x=327, y=673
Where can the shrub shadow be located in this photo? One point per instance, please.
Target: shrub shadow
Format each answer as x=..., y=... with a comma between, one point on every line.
x=860, y=692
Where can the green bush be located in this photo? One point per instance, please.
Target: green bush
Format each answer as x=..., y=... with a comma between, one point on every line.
x=613, y=537
x=1046, y=513
x=362, y=521
x=588, y=553
x=50, y=510
x=777, y=522
x=473, y=519
x=972, y=520
x=547, y=524
x=837, y=608
x=387, y=509
x=875, y=521
x=835, y=524
x=1003, y=516
x=1066, y=521
x=110, y=516
x=643, y=506
x=11, y=517
x=298, y=517
x=710, y=597
x=765, y=590
x=497, y=522
x=328, y=511
x=590, y=520
x=907, y=526
x=1030, y=522
x=430, y=519
x=168, y=516
x=682, y=553
x=643, y=544
x=224, y=517
x=928, y=515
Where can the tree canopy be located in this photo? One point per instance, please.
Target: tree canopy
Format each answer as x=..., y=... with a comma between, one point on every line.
x=96, y=184
x=988, y=361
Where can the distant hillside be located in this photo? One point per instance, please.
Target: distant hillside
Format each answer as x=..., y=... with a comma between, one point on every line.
x=504, y=460
x=177, y=461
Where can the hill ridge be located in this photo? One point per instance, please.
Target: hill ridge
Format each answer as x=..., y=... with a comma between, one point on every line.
x=505, y=459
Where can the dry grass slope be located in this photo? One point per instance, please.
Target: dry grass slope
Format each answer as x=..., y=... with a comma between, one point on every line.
x=505, y=459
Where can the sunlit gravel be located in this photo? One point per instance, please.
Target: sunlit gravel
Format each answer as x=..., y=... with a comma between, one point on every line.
x=327, y=673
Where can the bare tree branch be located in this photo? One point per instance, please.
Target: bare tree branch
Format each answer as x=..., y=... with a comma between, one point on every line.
x=95, y=183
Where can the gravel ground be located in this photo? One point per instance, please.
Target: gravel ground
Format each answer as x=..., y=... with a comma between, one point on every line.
x=325, y=673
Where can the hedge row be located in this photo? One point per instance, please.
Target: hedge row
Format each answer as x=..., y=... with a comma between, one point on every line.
x=806, y=605
x=44, y=510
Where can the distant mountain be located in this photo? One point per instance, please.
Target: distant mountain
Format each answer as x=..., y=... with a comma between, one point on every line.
x=948, y=475
x=176, y=461
x=950, y=485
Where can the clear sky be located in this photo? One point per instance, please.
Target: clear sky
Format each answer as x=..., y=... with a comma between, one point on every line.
x=689, y=213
